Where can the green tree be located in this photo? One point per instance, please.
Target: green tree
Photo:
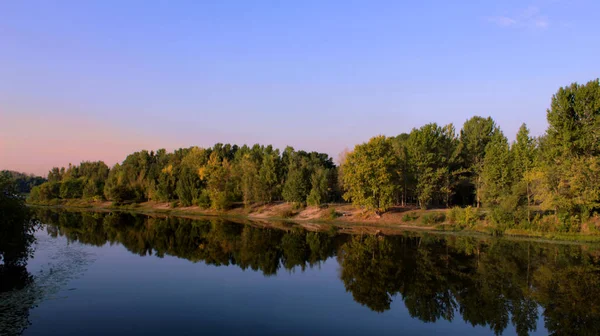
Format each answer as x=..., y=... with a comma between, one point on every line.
x=189, y=186
x=319, y=187
x=371, y=174
x=268, y=177
x=476, y=133
x=219, y=181
x=574, y=120
x=407, y=183
x=71, y=188
x=432, y=151
x=568, y=169
x=523, y=155
x=496, y=179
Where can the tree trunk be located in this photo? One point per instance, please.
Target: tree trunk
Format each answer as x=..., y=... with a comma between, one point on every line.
x=477, y=187
x=528, y=205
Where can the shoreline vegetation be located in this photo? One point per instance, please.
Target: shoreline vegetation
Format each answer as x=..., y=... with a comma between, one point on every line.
x=337, y=217
x=434, y=178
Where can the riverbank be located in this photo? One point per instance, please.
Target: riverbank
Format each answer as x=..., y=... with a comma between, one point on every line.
x=340, y=216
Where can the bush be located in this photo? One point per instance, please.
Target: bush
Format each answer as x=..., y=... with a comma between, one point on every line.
x=286, y=213
x=34, y=195
x=332, y=214
x=314, y=198
x=203, y=200
x=220, y=200
x=568, y=223
x=409, y=217
x=548, y=223
x=464, y=217
x=71, y=188
x=297, y=205
x=433, y=218
x=501, y=218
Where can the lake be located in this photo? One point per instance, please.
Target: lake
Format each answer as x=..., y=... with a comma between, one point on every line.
x=124, y=274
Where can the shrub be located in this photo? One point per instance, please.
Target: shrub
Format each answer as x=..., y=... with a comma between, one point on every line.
x=501, y=219
x=568, y=223
x=332, y=214
x=314, y=198
x=203, y=200
x=409, y=217
x=464, y=217
x=220, y=200
x=71, y=188
x=433, y=218
x=286, y=213
x=548, y=223
x=297, y=205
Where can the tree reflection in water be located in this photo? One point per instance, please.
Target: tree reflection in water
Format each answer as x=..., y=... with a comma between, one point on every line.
x=487, y=282
x=16, y=240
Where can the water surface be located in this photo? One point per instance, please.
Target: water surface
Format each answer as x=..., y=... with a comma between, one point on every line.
x=114, y=273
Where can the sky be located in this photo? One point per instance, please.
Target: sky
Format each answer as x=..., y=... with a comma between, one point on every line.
x=97, y=80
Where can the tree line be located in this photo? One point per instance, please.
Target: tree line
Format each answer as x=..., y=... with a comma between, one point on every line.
x=213, y=177
x=432, y=166
x=435, y=166
x=22, y=183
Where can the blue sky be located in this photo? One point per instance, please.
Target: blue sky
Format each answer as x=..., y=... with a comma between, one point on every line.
x=87, y=80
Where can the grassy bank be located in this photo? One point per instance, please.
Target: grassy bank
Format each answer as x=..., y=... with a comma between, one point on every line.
x=468, y=220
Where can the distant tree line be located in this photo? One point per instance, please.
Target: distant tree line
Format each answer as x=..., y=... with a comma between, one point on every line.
x=432, y=166
x=21, y=182
x=213, y=177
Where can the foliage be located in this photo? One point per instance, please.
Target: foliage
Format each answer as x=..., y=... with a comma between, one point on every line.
x=23, y=182
x=332, y=214
x=433, y=218
x=371, y=174
x=432, y=151
x=475, y=135
x=464, y=217
x=431, y=167
x=410, y=216
x=16, y=226
x=496, y=178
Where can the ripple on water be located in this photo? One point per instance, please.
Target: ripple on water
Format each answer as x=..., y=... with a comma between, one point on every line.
x=65, y=262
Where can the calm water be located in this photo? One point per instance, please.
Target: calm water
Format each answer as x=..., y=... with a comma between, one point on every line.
x=101, y=274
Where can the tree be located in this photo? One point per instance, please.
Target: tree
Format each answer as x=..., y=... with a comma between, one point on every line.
x=16, y=227
x=567, y=173
x=268, y=177
x=476, y=133
x=523, y=155
x=250, y=180
x=496, y=179
x=371, y=174
x=319, y=187
x=405, y=168
x=432, y=151
x=189, y=186
x=574, y=120
x=219, y=181
x=23, y=182
x=71, y=188
x=297, y=183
